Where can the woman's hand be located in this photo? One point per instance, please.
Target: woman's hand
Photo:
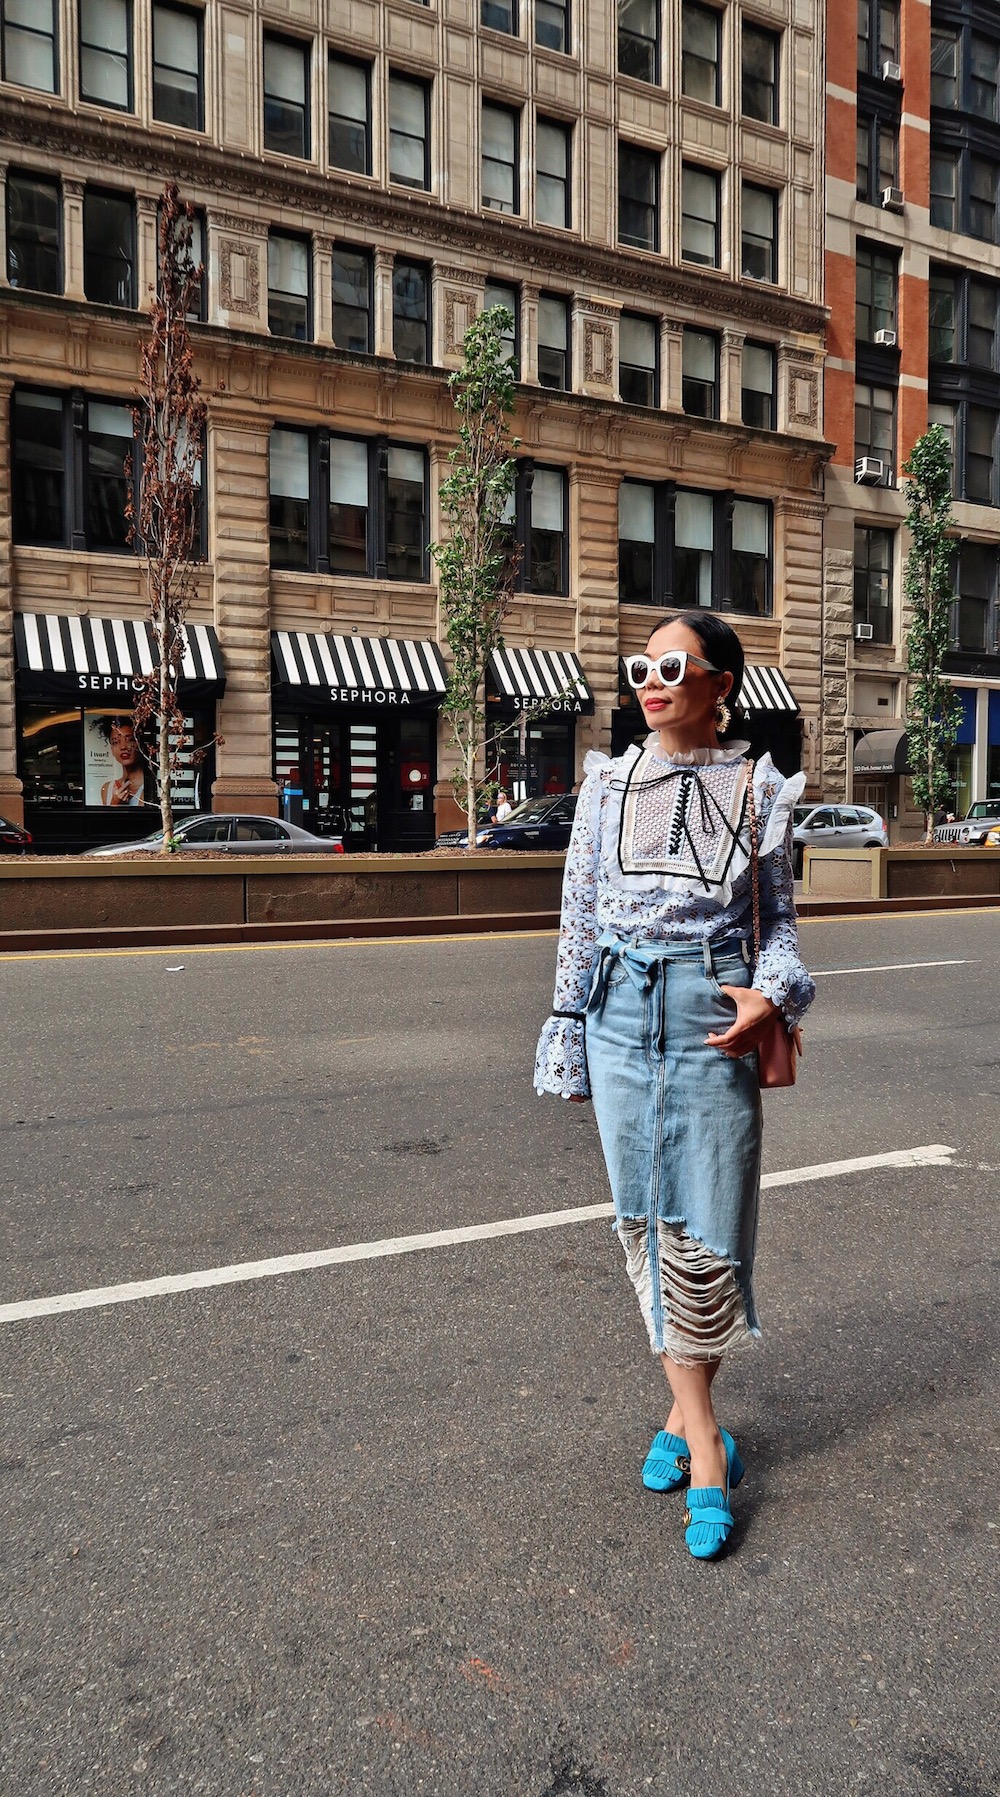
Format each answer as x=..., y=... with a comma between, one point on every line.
x=753, y=1014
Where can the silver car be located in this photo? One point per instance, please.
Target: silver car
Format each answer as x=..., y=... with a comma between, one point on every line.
x=836, y=827
x=230, y=833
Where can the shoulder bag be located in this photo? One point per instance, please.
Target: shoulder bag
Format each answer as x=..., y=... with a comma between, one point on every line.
x=779, y=1048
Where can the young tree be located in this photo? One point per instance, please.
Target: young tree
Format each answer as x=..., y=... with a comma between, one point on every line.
x=933, y=711
x=163, y=513
x=476, y=566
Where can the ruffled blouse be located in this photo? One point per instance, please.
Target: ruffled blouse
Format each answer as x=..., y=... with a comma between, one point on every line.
x=660, y=852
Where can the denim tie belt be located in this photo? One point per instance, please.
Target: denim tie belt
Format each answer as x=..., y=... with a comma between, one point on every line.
x=644, y=965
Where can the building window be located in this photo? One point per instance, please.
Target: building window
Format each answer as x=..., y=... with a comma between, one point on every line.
x=965, y=71
x=759, y=260
x=982, y=210
x=553, y=342
x=639, y=39
x=288, y=286
x=286, y=97
x=964, y=192
x=944, y=68
x=699, y=216
x=108, y=248
x=760, y=74
x=638, y=359
x=942, y=322
x=409, y=132
x=700, y=53
x=694, y=548
x=353, y=323
x=878, y=158
x=684, y=548
x=980, y=455
x=191, y=257
x=498, y=293
x=348, y=506
x=878, y=34
x=637, y=535
x=700, y=373
x=411, y=312
x=177, y=67
x=105, y=53
x=350, y=115
x=873, y=581
x=552, y=24
x=981, y=324
x=638, y=197
x=536, y=516
x=34, y=233
x=70, y=485
x=552, y=189
x=984, y=73
x=29, y=43
x=973, y=618
x=875, y=293
x=759, y=409
x=875, y=422
x=947, y=417
x=750, y=557
x=499, y=171
x=499, y=15
x=944, y=189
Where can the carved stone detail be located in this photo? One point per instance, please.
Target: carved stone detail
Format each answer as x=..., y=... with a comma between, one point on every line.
x=803, y=395
x=598, y=352
x=239, y=276
x=461, y=304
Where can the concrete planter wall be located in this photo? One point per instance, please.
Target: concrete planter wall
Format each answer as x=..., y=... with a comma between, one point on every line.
x=901, y=873
x=221, y=891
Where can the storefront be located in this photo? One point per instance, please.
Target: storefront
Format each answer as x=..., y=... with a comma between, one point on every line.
x=880, y=766
x=86, y=779
x=881, y=762
x=355, y=736
x=774, y=726
x=533, y=700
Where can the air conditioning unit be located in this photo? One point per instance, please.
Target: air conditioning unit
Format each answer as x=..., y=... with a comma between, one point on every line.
x=886, y=339
x=863, y=633
x=891, y=199
x=869, y=471
x=891, y=71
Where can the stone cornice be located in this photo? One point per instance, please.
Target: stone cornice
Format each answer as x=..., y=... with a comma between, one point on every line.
x=138, y=153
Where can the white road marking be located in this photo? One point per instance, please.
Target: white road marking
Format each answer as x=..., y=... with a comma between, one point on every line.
x=825, y=973
x=934, y=1155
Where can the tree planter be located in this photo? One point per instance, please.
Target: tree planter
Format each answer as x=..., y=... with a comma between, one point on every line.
x=913, y=871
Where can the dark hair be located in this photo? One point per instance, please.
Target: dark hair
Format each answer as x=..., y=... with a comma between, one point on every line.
x=722, y=648
x=107, y=724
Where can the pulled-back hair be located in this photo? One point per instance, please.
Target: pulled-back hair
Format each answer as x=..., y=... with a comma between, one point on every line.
x=722, y=648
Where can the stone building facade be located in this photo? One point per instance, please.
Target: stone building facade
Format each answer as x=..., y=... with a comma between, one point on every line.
x=913, y=287
x=643, y=186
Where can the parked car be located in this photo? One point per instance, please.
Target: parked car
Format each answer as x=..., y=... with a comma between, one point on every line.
x=973, y=829
x=230, y=833
x=14, y=839
x=533, y=824
x=835, y=827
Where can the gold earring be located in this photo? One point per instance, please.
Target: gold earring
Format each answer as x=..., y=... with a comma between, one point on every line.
x=723, y=716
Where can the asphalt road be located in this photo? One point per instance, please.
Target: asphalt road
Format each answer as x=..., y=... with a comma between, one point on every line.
x=378, y=1527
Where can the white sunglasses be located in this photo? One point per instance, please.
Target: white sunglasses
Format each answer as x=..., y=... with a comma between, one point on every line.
x=669, y=669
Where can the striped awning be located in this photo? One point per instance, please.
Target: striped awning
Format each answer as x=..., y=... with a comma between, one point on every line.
x=524, y=677
x=60, y=655
x=766, y=689
x=358, y=670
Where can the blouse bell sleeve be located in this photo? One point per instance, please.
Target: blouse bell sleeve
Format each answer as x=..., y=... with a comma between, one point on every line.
x=780, y=973
x=560, y=1059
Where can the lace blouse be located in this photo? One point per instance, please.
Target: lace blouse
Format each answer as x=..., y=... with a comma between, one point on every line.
x=660, y=852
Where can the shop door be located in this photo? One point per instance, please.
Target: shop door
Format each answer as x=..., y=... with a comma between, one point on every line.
x=408, y=818
x=360, y=743
x=550, y=759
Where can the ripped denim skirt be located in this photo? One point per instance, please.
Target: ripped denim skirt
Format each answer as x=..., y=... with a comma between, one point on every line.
x=680, y=1127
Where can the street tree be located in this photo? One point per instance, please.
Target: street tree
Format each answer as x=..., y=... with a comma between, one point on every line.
x=933, y=711
x=163, y=512
x=477, y=563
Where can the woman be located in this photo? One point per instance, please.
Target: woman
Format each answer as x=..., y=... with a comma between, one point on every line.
x=657, y=1015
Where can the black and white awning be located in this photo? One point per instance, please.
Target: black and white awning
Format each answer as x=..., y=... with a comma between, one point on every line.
x=58, y=656
x=766, y=689
x=522, y=678
x=357, y=670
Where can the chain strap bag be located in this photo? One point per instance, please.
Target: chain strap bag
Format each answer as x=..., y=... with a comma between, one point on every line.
x=779, y=1048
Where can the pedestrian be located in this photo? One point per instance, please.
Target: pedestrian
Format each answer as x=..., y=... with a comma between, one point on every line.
x=657, y=1015
x=503, y=807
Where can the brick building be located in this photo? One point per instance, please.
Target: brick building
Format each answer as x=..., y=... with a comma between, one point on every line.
x=642, y=185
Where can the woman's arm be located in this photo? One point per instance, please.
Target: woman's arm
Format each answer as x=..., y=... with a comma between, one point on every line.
x=560, y=1060
x=780, y=974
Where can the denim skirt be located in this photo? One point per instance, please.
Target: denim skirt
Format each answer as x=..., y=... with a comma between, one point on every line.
x=680, y=1127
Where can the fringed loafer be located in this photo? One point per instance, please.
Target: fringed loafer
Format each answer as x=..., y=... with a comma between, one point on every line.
x=667, y=1464
x=708, y=1517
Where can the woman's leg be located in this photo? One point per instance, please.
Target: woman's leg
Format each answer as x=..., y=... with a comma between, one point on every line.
x=692, y=1389
x=675, y=1421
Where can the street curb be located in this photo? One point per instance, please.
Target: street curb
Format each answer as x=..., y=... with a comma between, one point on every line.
x=375, y=929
